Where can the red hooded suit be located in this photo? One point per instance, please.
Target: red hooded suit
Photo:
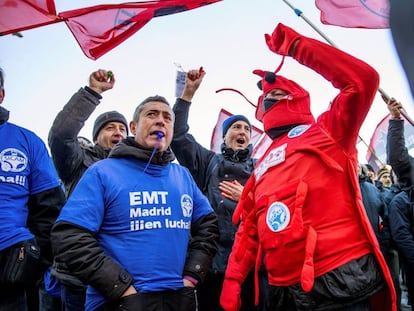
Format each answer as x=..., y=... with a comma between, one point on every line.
x=302, y=207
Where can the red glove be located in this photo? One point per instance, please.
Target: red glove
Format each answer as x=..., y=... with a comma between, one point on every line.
x=282, y=39
x=230, y=295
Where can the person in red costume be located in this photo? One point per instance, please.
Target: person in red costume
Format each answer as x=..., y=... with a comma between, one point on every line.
x=302, y=207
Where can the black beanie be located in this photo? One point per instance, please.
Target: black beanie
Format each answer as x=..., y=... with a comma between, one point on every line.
x=106, y=117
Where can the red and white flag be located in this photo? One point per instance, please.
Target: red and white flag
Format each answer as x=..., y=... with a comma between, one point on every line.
x=97, y=29
x=100, y=28
x=377, y=152
x=261, y=146
x=217, y=137
x=17, y=16
x=355, y=13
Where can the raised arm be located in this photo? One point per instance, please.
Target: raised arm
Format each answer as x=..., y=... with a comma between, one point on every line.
x=356, y=80
x=397, y=153
x=188, y=151
x=63, y=135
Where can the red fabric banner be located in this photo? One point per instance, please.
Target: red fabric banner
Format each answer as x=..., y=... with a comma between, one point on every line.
x=355, y=13
x=101, y=28
x=20, y=15
x=97, y=29
x=377, y=152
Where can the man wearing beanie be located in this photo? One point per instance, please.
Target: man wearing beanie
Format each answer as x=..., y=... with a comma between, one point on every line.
x=221, y=177
x=301, y=210
x=72, y=158
x=384, y=176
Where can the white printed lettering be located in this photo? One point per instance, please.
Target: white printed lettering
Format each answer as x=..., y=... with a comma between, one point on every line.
x=147, y=197
x=154, y=211
x=139, y=225
x=179, y=224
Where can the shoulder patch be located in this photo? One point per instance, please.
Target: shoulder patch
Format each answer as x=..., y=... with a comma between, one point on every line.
x=298, y=130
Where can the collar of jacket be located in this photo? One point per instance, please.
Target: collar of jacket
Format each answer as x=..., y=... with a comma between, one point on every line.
x=240, y=155
x=279, y=131
x=4, y=115
x=129, y=148
x=100, y=152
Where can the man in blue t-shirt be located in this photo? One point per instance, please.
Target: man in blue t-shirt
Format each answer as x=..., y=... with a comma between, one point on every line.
x=136, y=228
x=30, y=201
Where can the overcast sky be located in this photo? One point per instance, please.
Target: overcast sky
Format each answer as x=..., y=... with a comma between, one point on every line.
x=45, y=67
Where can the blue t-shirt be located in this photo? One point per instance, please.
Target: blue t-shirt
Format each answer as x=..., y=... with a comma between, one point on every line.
x=142, y=220
x=25, y=169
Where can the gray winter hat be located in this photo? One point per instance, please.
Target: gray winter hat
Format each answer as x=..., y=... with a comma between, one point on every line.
x=106, y=117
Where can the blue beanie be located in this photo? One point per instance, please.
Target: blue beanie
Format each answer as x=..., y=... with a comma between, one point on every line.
x=229, y=121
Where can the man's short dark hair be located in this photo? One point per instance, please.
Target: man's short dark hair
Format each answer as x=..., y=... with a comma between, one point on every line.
x=140, y=107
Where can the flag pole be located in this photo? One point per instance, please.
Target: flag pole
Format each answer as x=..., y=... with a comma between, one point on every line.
x=299, y=13
x=402, y=110
x=370, y=149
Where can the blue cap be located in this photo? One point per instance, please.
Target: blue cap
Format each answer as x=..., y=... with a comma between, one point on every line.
x=229, y=121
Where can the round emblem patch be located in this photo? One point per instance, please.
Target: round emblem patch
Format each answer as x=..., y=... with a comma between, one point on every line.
x=298, y=130
x=13, y=160
x=278, y=216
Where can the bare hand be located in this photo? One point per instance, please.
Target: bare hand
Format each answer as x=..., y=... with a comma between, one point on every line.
x=231, y=190
x=101, y=81
x=188, y=283
x=394, y=107
x=130, y=291
x=193, y=80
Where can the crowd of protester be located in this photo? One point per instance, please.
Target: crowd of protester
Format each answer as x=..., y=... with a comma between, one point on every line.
x=155, y=221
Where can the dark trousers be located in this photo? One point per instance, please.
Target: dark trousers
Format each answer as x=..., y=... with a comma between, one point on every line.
x=392, y=259
x=47, y=302
x=169, y=300
x=12, y=298
x=409, y=281
x=32, y=298
x=73, y=299
x=210, y=290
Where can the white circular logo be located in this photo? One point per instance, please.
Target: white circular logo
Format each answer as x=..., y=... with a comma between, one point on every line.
x=278, y=216
x=13, y=160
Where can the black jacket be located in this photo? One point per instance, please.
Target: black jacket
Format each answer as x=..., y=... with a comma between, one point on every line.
x=80, y=251
x=401, y=224
x=70, y=158
x=397, y=153
x=209, y=169
x=377, y=212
